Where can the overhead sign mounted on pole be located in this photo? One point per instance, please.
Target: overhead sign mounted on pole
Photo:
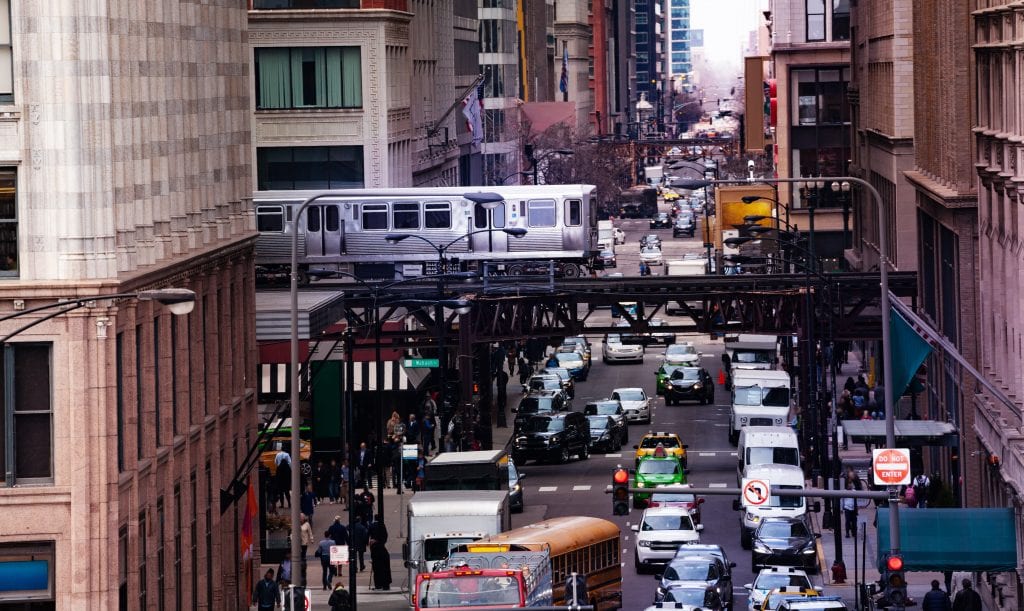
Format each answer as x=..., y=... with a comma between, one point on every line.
x=755, y=492
x=891, y=467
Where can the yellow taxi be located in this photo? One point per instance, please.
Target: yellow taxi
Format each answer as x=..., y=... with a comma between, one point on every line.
x=276, y=444
x=774, y=598
x=669, y=196
x=670, y=442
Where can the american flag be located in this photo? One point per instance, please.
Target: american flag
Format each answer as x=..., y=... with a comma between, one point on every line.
x=563, y=84
x=473, y=111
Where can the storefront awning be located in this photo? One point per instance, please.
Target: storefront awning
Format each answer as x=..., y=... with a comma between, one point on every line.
x=971, y=539
x=908, y=432
x=317, y=311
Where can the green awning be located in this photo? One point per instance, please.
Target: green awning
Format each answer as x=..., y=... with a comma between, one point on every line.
x=943, y=539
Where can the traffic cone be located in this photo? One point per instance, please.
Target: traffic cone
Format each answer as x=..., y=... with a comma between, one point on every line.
x=721, y=377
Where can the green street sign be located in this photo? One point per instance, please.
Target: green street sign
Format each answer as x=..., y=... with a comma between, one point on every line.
x=420, y=363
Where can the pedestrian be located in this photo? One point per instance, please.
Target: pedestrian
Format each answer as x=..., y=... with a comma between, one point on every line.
x=395, y=447
x=284, y=571
x=967, y=599
x=850, y=512
x=552, y=361
x=365, y=507
x=380, y=561
x=644, y=269
x=412, y=430
x=393, y=421
x=378, y=530
x=910, y=497
x=340, y=599
x=427, y=434
x=921, y=484
x=935, y=599
x=283, y=464
x=364, y=465
x=334, y=482
x=305, y=537
x=525, y=370
x=323, y=552
x=345, y=473
x=360, y=539
x=307, y=503
x=338, y=532
x=321, y=481
x=421, y=471
x=502, y=395
x=266, y=594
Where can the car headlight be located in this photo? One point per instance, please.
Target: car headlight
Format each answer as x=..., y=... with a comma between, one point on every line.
x=697, y=386
x=812, y=549
x=643, y=543
x=640, y=485
x=753, y=517
x=761, y=549
x=778, y=421
x=743, y=420
x=515, y=488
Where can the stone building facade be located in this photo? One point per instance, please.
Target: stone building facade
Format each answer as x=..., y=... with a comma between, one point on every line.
x=124, y=165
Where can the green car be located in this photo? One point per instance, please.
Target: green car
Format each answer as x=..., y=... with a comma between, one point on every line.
x=653, y=471
x=663, y=374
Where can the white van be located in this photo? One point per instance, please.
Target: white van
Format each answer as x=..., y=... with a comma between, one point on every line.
x=766, y=445
x=780, y=476
x=759, y=398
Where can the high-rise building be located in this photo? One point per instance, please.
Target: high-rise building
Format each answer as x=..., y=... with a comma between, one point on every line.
x=650, y=48
x=125, y=165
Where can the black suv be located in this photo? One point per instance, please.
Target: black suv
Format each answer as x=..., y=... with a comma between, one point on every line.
x=661, y=220
x=690, y=384
x=697, y=569
x=539, y=402
x=785, y=542
x=552, y=437
x=684, y=225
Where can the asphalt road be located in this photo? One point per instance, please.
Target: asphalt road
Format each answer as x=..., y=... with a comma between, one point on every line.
x=578, y=487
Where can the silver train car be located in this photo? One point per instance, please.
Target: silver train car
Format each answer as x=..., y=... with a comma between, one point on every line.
x=347, y=232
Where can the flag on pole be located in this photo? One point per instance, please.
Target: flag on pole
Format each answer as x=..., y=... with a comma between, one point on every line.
x=563, y=84
x=472, y=109
x=248, y=535
x=909, y=350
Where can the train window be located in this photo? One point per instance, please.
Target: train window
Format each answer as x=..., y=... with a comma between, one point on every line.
x=437, y=215
x=540, y=212
x=498, y=216
x=375, y=216
x=332, y=218
x=269, y=218
x=405, y=215
x=573, y=213
x=313, y=219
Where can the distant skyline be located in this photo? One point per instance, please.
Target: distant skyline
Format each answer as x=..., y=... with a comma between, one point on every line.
x=726, y=33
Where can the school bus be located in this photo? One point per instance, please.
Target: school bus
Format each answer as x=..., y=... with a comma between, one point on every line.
x=586, y=546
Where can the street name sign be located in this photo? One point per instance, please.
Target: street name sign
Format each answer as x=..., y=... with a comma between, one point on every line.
x=891, y=466
x=420, y=363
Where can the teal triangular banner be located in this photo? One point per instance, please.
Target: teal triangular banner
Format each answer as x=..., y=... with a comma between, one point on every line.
x=909, y=350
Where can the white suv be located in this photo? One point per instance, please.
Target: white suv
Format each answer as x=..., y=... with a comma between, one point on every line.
x=659, y=534
x=635, y=404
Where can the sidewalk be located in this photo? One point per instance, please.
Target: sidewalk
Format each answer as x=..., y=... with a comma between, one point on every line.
x=860, y=459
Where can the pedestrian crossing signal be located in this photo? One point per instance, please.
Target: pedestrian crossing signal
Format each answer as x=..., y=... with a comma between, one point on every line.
x=620, y=492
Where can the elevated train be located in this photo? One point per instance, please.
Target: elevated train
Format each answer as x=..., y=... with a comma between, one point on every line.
x=346, y=232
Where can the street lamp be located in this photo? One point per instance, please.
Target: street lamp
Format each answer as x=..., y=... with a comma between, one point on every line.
x=885, y=307
x=642, y=106
x=393, y=238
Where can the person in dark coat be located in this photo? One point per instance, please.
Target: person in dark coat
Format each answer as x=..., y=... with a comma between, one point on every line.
x=340, y=599
x=967, y=599
x=360, y=539
x=266, y=594
x=378, y=531
x=337, y=532
x=381, y=565
x=307, y=502
x=935, y=599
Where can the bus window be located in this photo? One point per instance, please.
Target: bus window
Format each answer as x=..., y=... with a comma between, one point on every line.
x=540, y=213
x=269, y=218
x=573, y=213
x=405, y=216
x=437, y=215
x=332, y=220
x=375, y=216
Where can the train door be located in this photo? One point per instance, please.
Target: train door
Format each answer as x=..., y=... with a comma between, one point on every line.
x=323, y=230
x=489, y=241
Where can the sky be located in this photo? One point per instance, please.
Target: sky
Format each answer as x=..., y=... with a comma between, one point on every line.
x=727, y=25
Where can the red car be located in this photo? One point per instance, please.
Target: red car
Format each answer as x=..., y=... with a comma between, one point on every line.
x=685, y=500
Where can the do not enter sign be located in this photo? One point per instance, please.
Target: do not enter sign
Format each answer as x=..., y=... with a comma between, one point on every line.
x=891, y=467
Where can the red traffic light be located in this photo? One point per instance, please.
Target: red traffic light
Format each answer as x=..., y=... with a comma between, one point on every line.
x=894, y=563
x=621, y=476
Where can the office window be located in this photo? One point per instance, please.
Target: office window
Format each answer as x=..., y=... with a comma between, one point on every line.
x=840, y=19
x=641, y=38
x=25, y=388
x=821, y=96
x=156, y=381
x=309, y=167
x=160, y=579
x=122, y=569
x=177, y=585
x=541, y=212
x=8, y=219
x=308, y=77
x=27, y=576
x=140, y=419
x=437, y=215
x=641, y=18
x=119, y=375
x=815, y=20
x=143, y=556
x=6, y=55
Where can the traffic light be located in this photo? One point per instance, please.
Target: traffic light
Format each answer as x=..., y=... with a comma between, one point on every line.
x=620, y=492
x=895, y=582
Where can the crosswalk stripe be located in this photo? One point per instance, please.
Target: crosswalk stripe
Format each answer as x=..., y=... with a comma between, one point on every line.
x=547, y=489
x=581, y=488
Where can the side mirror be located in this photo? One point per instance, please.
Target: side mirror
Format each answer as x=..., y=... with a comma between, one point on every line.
x=522, y=476
x=405, y=553
x=685, y=446
x=657, y=576
x=515, y=410
x=817, y=535
x=700, y=527
x=736, y=506
x=746, y=586
x=700, y=501
x=732, y=565
x=635, y=528
x=412, y=564
x=636, y=447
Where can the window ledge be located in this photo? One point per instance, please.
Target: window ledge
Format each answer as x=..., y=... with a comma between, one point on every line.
x=25, y=494
x=10, y=112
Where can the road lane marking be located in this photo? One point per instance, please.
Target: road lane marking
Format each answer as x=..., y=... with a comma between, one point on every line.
x=707, y=453
x=547, y=489
x=613, y=455
x=581, y=488
x=717, y=485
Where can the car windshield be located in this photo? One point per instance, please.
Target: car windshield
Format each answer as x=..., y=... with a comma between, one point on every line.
x=689, y=571
x=686, y=374
x=774, y=581
x=680, y=350
x=688, y=596
x=755, y=395
x=658, y=467
x=604, y=409
x=613, y=338
x=752, y=357
x=668, y=522
x=544, y=383
x=599, y=422
x=786, y=501
x=631, y=395
x=541, y=424
x=469, y=590
x=532, y=405
x=568, y=357
x=773, y=456
x=668, y=370
x=650, y=250
x=558, y=371
x=671, y=497
x=653, y=442
x=775, y=599
x=783, y=530
x=607, y=254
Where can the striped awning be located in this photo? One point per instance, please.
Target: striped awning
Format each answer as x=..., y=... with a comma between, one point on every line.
x=274, y=378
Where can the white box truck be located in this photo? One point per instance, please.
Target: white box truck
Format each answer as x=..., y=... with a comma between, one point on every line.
x=683, y=267
x=441, y=520
x=759, y=398
x=766, y=445
x=777, y=476
x=750, y=351
x=605, y=235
